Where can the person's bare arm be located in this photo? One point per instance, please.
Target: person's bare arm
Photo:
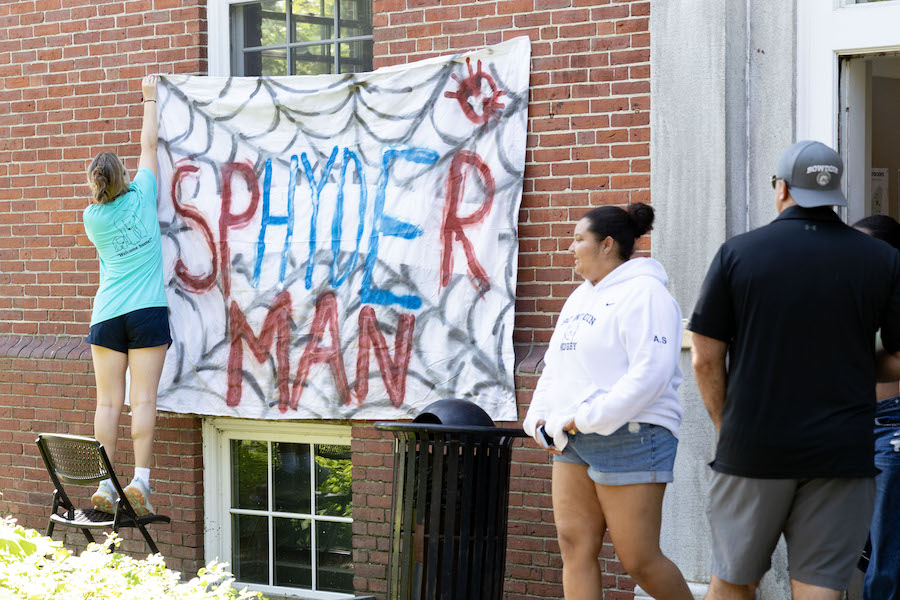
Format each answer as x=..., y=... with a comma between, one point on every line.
x=708, y=359
x=149, y=126
x=887, y=366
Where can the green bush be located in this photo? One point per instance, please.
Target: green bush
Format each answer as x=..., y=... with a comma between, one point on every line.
x=34, y=567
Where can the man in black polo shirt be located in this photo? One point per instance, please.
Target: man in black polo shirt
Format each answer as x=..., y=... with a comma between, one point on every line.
x=795, y=306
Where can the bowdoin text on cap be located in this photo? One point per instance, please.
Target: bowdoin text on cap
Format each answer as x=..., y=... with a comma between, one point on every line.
x=812, y=172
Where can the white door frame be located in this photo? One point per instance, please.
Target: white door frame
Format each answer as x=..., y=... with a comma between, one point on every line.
x=827, y=31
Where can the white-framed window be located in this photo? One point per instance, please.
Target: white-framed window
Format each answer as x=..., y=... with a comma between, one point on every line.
x=278, y=505
x=289, y=37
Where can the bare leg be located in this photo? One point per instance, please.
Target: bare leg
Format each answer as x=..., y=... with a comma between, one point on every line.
x=805, y=591
x=580, y=526
x=719, y=589
x=634, y=515
x=109, y=374
x=145, y=365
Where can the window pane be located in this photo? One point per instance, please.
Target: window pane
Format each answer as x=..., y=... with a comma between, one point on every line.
x=290, y=482
x=264, y=23
x=334, y=495
x=313, y=8
x=266, y=63
x=356, y=57
x=249, y=481
x=313, y=20
x=334, y=557
x=313, y=60
x=293, y=553
x=356, y=18
x=313, y=30
x=250, y=548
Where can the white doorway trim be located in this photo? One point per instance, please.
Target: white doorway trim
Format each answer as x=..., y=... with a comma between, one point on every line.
x=827, y=29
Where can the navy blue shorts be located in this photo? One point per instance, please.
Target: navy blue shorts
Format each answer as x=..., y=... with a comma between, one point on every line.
x=142, y=328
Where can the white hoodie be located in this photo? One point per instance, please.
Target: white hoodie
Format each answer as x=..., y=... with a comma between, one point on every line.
x=613, y=357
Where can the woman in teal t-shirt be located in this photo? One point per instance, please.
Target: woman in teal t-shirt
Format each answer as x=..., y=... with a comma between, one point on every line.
x=130, y=321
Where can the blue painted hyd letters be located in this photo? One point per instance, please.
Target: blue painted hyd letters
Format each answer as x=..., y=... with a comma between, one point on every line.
x=316, y=189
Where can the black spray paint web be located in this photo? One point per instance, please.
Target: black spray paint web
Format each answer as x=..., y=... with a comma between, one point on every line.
x=463, y=340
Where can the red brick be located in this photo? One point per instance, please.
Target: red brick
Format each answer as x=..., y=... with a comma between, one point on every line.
x=640, y=9
x=479, y=9
x=632, y=26
x=629, y=56
x=604, y=13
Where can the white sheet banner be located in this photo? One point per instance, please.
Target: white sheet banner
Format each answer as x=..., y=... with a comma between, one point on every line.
x=343, y=246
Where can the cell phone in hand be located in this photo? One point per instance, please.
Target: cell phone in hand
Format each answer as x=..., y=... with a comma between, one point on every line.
x=545, y=435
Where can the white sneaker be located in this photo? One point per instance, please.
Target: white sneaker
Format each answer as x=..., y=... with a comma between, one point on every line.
x=138, y=494
x=104, y=498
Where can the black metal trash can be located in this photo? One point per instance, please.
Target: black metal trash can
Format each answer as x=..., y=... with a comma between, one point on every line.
x=450, y=504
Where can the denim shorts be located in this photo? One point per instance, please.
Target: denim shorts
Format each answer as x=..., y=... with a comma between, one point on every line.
x=142, y=328
x=634, y=453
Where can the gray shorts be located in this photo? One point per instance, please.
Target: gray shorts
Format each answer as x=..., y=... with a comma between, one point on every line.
x=825, y=523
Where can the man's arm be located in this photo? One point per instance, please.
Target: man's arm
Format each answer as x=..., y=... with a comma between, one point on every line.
x=708, y=360
x=887, y=366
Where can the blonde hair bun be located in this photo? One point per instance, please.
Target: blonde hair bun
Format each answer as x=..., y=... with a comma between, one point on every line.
x=106, y=176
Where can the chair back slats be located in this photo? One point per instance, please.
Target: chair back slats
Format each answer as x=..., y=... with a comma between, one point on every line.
x=83, y=460
x=74, y=459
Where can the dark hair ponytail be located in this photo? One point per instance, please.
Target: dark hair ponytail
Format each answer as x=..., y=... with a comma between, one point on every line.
x=881, y=227
x=622, y=225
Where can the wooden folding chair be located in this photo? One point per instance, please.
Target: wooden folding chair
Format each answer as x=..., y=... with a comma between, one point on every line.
x=83, y=461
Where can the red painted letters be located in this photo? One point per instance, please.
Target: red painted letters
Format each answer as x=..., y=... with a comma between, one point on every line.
x=453, y=224
x=393, y=372
x=326, y=316
x=194, y=283
x=234, y=221
x=277, y=326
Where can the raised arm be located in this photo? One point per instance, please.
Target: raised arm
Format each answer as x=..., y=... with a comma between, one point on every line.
x=148, y=128
x=708, y=360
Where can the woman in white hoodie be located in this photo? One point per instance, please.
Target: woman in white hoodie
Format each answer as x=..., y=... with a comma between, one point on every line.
x=606, y=407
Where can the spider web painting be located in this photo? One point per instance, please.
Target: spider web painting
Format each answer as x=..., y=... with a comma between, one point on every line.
x=343, y=246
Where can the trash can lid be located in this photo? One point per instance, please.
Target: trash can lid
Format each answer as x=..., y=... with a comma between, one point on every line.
x=454, y=411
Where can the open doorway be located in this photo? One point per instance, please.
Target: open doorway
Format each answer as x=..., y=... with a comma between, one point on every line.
x=869, y=134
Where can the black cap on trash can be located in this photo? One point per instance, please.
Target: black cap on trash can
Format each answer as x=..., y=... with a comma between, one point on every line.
x=454, y=411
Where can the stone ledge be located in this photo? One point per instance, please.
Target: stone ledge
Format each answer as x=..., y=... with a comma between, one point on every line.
x=44, y=347
x=529, y=359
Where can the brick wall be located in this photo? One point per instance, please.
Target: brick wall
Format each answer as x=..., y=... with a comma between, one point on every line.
x=70, y=74
x=46, y=386
x=589, y=116
x=588, y=144
x=70, y=86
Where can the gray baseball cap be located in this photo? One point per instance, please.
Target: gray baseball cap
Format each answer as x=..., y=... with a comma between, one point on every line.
x=812, y=172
